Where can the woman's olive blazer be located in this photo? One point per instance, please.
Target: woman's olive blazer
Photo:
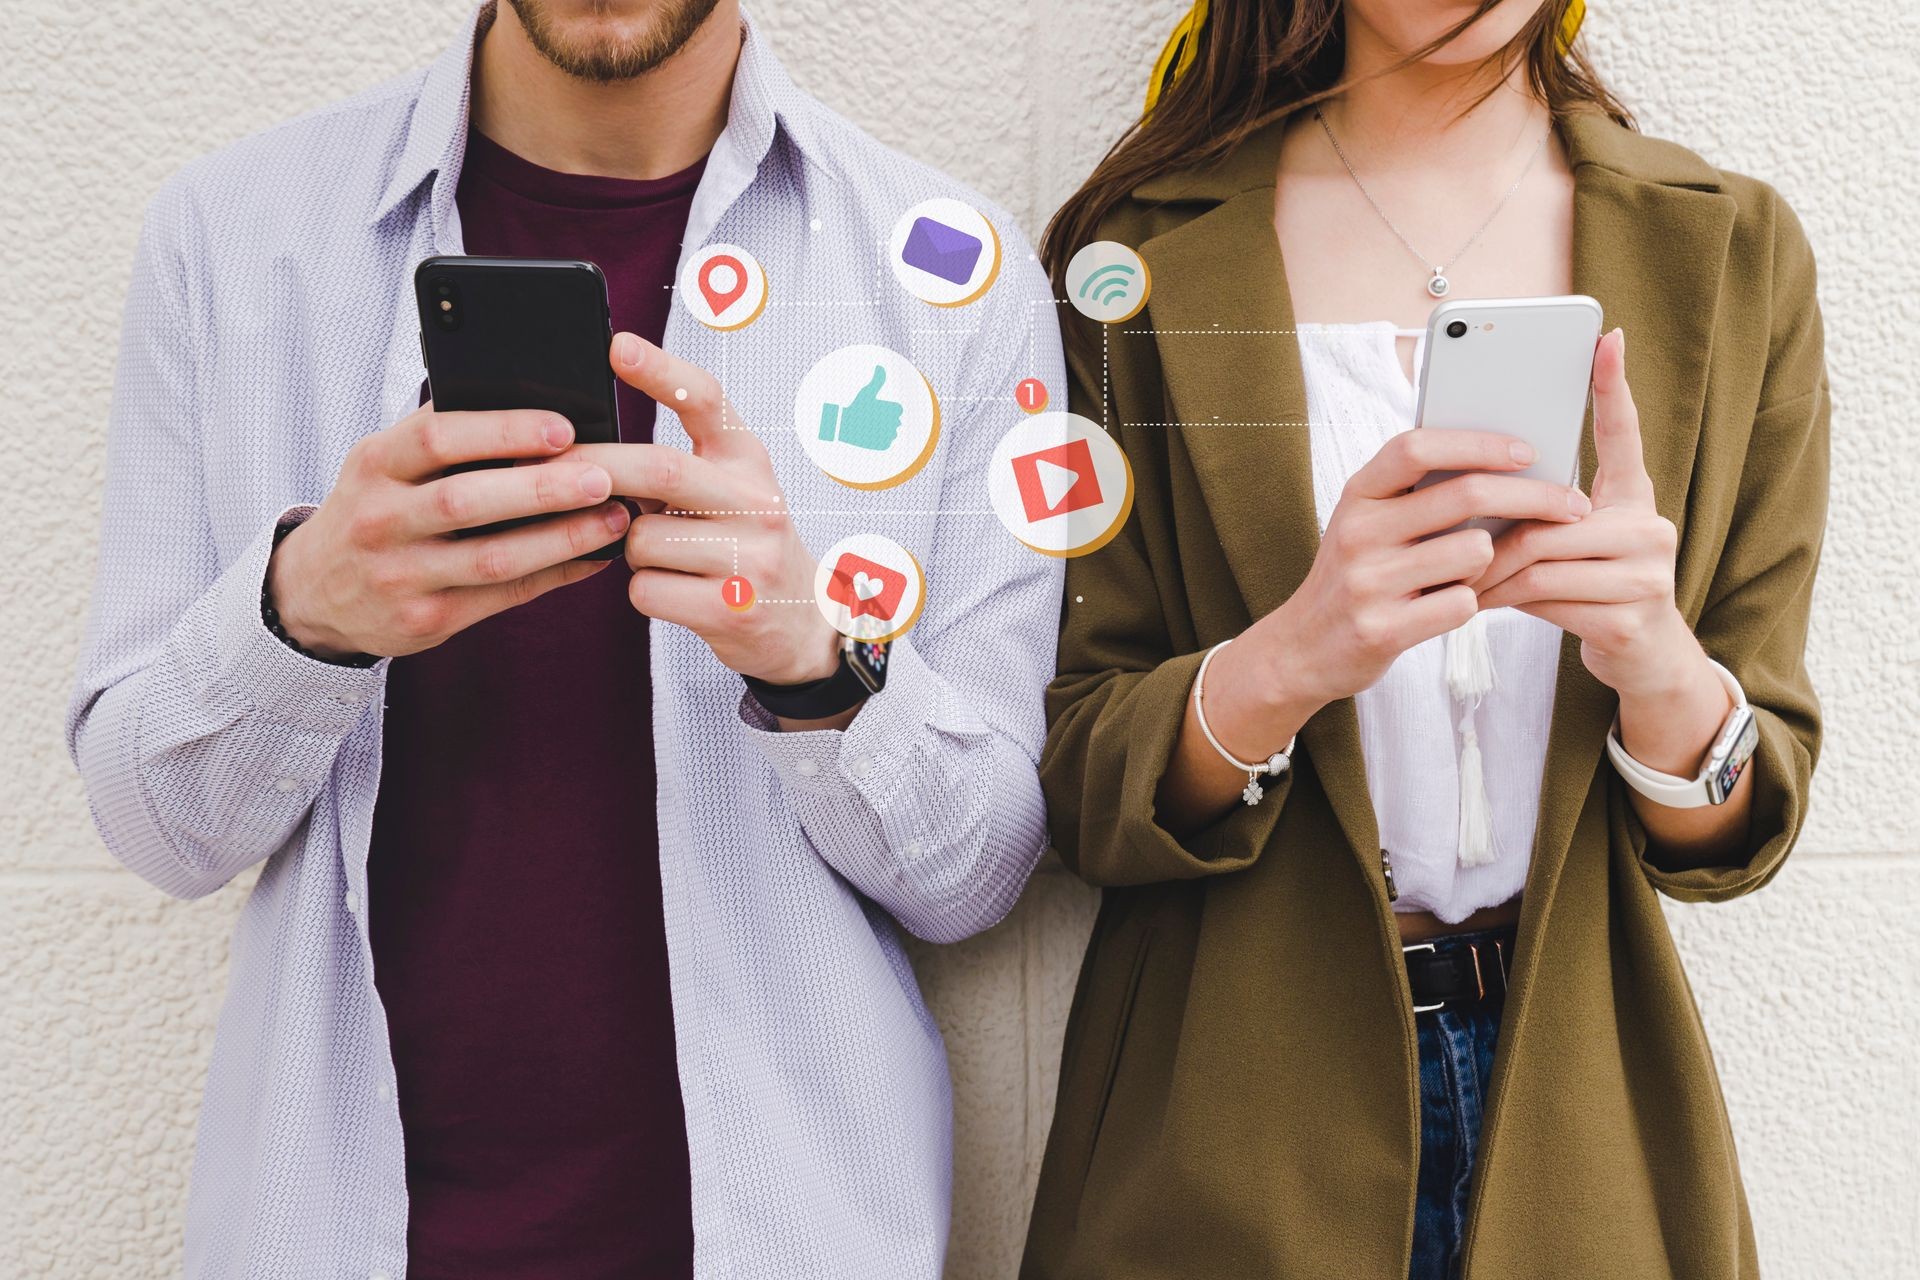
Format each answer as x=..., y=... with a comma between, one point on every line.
x=1238, y=1092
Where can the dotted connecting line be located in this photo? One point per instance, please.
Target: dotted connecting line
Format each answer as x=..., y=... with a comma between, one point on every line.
x=829, y=511
x=1103, y=380
x=1216, y=422
x=1315, y=331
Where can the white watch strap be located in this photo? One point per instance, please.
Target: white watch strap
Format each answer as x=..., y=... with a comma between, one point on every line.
x=1665, y=788
x=1273, y=765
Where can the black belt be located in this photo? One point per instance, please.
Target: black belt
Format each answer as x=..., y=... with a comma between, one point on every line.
x=1465, y=969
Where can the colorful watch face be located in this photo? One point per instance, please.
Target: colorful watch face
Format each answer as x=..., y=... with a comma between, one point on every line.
x=1731, y=754
x=868, y=659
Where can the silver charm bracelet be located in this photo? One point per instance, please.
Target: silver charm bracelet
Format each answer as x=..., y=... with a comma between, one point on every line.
x=1272, y=766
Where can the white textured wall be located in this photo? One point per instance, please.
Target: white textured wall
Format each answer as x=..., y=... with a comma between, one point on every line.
x=108, y=991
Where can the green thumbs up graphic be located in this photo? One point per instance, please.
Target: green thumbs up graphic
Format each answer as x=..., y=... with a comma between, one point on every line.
x=867, y=423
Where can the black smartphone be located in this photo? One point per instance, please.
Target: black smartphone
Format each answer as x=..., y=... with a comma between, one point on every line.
x=520, y=333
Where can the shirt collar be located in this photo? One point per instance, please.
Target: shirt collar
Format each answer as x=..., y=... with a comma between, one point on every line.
x=763, y=98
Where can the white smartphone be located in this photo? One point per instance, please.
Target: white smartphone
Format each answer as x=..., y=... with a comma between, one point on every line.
x=1519, y=366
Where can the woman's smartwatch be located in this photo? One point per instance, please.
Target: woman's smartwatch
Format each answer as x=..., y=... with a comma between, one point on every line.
x=1727, y=758
x=862, y=673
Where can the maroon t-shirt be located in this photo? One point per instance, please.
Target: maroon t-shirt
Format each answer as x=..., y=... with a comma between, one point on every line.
x=514, y=877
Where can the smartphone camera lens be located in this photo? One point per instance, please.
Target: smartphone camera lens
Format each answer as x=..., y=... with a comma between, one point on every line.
x=446, y=306
x=1457, y=329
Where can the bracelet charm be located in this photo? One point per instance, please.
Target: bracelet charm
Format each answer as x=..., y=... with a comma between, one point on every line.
x=1272, y=766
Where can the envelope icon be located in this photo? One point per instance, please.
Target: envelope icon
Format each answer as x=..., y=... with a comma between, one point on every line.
x=941, y=250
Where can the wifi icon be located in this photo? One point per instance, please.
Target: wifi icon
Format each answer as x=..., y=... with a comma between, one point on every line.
x=1107, y=282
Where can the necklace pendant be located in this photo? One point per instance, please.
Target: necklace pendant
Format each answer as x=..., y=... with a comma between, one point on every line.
x=1253, y=791
x=1439, y=284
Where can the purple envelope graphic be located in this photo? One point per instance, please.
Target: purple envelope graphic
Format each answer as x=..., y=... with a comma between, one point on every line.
x=941, y=250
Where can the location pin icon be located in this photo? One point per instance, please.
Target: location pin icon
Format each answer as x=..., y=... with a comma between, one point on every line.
x=733, y=284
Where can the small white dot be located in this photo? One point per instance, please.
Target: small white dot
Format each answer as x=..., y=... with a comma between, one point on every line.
x=1079, y=599
x=815, y=224
x=679, y=393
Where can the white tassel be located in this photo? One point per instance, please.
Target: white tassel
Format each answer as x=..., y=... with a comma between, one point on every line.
x=1469, y=661
x=1470, y=677
x=1476, y=814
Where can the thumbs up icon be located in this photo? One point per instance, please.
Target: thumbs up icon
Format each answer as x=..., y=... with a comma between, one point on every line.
x=867, y=422
x=866, y=416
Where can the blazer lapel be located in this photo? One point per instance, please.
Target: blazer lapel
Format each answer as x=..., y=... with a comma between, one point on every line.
x=1222, y=319
x=1651, y=232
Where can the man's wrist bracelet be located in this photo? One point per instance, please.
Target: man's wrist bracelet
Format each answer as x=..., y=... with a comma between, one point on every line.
x=270, y=616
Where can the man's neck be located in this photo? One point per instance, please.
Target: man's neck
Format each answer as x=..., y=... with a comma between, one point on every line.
x=652, y=125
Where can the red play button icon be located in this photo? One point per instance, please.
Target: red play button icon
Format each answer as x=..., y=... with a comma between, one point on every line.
x=1057, y=480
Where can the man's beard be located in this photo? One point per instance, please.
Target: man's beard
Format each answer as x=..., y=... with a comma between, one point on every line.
x=604, y=58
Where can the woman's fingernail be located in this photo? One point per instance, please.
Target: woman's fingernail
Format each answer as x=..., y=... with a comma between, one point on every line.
x=594, y=483
x=1578, y=503
x=558, y=433
x=627, y=348
x=1521, y=452
x=616, y=518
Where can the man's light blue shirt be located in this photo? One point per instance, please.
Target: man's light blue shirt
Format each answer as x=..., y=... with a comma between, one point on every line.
x=269, y=326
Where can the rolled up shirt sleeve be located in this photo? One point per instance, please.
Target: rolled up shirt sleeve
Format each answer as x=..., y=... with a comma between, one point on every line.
x=201, y=738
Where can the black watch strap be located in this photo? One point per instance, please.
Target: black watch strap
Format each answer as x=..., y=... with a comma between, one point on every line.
x=861, y=674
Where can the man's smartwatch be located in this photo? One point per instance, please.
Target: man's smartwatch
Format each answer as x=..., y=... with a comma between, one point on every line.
x=1727, y=758
x=862, y=673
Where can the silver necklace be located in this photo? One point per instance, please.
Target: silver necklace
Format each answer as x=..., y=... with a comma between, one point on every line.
x=1437, y=283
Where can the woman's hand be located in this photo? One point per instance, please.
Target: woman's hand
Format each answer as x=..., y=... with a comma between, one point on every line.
x=1380, y=583
x=1609, y=578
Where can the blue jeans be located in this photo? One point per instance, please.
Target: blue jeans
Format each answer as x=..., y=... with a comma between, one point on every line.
x=1456, y=1062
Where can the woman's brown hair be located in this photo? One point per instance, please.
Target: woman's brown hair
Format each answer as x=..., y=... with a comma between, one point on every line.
x=1259, y=60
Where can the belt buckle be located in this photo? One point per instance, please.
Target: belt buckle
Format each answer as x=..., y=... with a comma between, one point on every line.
x=1407, y=949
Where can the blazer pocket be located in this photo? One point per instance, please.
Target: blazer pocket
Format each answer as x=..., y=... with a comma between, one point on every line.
x=1115, y=1049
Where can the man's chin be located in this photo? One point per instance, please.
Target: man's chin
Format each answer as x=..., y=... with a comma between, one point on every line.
x=592, y=42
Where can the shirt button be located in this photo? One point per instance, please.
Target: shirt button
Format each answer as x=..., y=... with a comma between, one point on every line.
x=806, y=768
x=384, y=1091
x=862, y=766
x=380, y=1275
x=285, y=785
x=347, y=699
x=353, y=900
x=913, y=849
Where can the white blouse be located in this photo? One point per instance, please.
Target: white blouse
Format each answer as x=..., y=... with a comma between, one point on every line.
x=1357, y=398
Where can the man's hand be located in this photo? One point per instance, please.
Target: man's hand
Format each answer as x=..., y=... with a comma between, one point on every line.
x=723, y=515
x=377, y=570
